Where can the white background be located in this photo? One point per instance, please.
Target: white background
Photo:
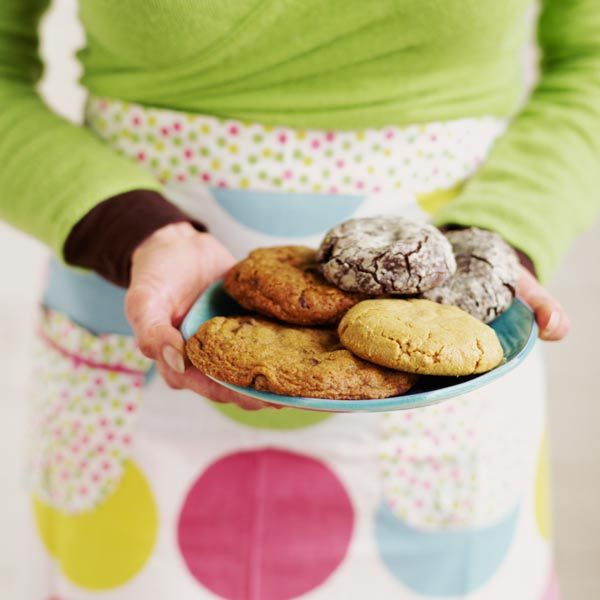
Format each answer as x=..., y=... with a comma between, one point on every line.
x=573, y=370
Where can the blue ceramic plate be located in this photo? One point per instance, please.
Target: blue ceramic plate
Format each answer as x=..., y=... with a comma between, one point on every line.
x=516, y=329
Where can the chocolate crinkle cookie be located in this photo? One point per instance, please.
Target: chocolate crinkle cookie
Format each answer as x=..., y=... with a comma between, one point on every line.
x=385, y=255
x=486, y=277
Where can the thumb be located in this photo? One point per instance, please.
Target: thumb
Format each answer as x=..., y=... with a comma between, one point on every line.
x=149, y=315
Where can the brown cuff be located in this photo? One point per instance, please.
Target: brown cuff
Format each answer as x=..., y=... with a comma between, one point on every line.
x=105, y=238
x=523, y=258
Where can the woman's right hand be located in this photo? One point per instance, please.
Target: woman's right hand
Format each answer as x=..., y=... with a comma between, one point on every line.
x=169, y=270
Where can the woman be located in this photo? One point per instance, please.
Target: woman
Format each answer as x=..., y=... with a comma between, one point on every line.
x=215, y=127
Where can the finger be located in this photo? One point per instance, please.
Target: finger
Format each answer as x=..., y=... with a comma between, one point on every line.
x=550, y=316
x=150, y=319
x=202, y=385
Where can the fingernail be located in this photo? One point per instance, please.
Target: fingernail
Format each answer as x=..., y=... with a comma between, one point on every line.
x=552, y=323
x=174, y=359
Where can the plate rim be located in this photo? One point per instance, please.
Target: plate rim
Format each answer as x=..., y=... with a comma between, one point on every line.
x=392, y=403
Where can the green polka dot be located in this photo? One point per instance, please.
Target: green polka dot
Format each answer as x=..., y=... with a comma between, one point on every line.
x=204, y=151
x=272, y=418
x=257, y=138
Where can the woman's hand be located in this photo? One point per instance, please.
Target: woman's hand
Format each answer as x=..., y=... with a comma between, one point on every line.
x=551, y=317
x=169, y=270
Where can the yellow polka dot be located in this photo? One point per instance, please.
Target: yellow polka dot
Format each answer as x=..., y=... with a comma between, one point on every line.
x=244, y=183
x=268, y=128
x=433, y=201
x=105, y=547
x=542, y=492
x=307, y=160
x=370, y=169
x=387, y=152
x=159, y=146
x=215, y=165
x=300, y=134
x=205, y=128
x=266, y=152
x=151, y=120
x=360, y=135
x=233, y=149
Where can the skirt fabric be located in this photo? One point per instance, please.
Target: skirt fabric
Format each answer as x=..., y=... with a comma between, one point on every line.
x=140, y=492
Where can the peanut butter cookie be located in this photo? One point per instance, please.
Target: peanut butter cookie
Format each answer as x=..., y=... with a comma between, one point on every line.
x=293, y=361
x=420, y=336
x=283, y=282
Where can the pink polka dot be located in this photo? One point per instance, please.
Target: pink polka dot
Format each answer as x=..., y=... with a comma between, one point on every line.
x=233, y=130
x=266, y=524
x=552, y=591
x=330, y=136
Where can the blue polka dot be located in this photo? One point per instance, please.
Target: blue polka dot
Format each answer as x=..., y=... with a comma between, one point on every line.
x=286, y=215
x=442, y=563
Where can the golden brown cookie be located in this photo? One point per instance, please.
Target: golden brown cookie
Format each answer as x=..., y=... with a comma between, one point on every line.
x=293, y=361
x=420, y=336
x=283, y=282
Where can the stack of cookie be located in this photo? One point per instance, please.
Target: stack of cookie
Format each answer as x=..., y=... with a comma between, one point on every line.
x=365, y=315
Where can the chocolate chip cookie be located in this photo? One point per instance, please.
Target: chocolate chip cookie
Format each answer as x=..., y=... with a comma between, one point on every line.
x=293, y=361
x=419, y=336
x=385, y=255
x=284, y=283
x=486, y=276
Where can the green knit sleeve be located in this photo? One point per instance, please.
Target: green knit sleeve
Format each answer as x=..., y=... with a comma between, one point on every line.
x=540, y=186
x=51, y=172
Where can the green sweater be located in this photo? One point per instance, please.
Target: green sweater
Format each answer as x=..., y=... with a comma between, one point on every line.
x=335, y=64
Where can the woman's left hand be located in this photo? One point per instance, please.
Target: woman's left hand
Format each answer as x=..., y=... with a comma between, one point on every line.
x=551, y=317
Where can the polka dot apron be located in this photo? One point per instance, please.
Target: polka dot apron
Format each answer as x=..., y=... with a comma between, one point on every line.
x=141, y=492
